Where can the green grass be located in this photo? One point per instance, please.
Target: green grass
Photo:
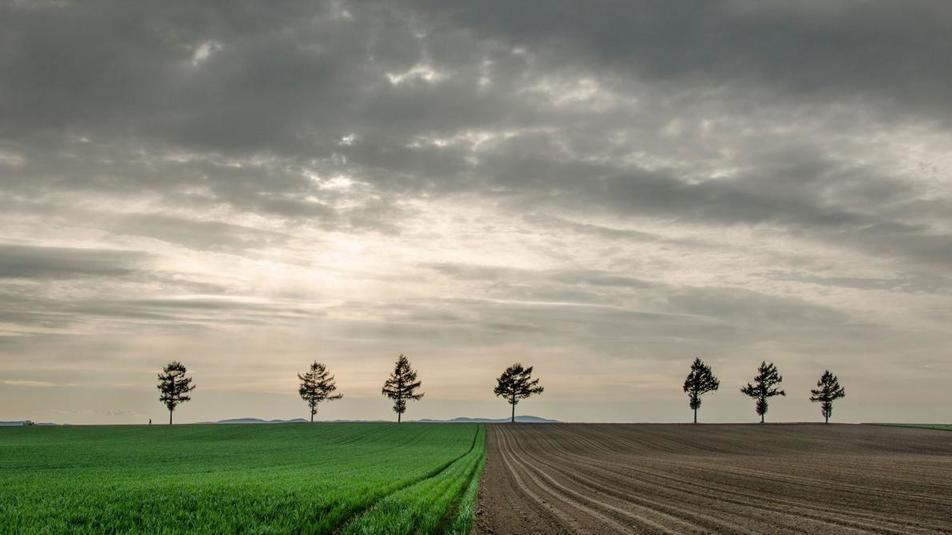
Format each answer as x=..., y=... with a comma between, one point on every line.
x=294, y=478
x=427, y=506
x=462, y=522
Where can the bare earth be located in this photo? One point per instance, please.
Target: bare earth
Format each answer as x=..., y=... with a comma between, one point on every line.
x=797, y=478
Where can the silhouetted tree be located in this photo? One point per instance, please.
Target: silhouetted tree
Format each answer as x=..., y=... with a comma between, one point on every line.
x=317, y=385
x=174, y=386
x=828, y=390
x=764, y=387
x=700, y=381
x=516, y=383
x=402, y=386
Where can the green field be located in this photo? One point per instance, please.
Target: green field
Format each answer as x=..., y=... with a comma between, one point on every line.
x=283, y=478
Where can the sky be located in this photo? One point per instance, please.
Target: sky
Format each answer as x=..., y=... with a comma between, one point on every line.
x=602, y=190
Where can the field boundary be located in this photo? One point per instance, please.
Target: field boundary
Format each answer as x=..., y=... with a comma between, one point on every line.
x=352, y=517
x=452, y=519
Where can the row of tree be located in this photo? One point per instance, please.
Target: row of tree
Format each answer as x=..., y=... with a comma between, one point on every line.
x=515, y=384
x=701, y=380
x=318, y=385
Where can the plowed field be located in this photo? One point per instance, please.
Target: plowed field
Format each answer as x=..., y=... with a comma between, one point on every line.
x=593, y=478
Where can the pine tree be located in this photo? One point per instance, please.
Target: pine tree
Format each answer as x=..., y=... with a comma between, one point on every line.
x=174, y=386
x=828, y=390
x=516, y=383
x=699, y=382
x=764, y=387
x=402, y=386
x=317, y=385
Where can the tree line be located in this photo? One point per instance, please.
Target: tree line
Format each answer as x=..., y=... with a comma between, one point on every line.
x=701, y=380
x=515, y=384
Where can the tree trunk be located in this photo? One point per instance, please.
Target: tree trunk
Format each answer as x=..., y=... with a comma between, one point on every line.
x=398, y=417
x=761, y=418
x=695, y=415
x=513, y=419
x=172, y=395
x=826, y=419
x=312, y=417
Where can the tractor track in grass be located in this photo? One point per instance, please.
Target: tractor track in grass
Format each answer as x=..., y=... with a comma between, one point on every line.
x=282, y=478
x=445, y=520
x=602, y=478
x=456, y=508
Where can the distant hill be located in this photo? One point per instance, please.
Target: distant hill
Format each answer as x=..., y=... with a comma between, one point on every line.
x=519, y=419
x=459, y=420
x=256, y=421
x=22, y=423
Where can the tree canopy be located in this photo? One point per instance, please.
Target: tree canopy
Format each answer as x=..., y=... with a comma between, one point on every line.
x=764, y=387
x=174, y=386
x=700, y=380
x=317, y=385
x=515, y=384
x=402, y=386
x=827, y=391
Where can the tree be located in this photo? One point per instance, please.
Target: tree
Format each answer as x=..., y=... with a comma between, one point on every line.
x=174, y=386
x=317, y=385
x=516, y=383
x=764, y=387
x=828, y=390
x=402, y=386
x=700, y=381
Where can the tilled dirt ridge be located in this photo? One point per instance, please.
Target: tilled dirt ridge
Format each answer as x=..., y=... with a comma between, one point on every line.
x=602, y=478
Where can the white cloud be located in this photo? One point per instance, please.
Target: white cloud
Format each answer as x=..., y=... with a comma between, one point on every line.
x=204, y=51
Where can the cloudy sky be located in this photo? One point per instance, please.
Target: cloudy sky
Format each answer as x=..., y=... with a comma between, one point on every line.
x=604, y=190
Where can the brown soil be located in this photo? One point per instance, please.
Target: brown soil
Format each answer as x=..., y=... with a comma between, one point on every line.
x=802, y=478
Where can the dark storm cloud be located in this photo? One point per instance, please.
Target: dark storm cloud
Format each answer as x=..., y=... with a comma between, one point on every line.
x=292, y=76
x=916, y=283
x=201, y=235
x=242, y=106
x=278, y=89
x=896, y=52
x=198, y=311
x=500, y=274
x=28, y=262
x=666, y=322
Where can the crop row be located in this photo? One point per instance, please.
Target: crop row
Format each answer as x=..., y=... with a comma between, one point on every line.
x=222, y=478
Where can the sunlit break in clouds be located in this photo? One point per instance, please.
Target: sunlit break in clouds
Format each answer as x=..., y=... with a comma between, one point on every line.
x=602, y=190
